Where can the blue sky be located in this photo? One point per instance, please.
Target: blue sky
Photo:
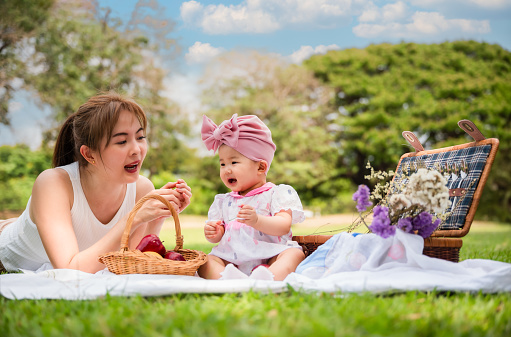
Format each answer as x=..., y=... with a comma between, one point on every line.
x=294, y=29
x=297, y=28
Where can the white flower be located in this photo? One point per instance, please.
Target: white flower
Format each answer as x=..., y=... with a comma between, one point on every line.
x=428, y=189
x=398, y=202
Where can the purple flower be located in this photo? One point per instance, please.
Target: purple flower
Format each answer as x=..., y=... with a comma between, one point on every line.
x=405, y=225
x=361, y=196
x=381, y=211
x=427, y=230
x=381, y=222
x=421, y=221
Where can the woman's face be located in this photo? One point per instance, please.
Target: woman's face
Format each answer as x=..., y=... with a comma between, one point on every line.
x=123, y=157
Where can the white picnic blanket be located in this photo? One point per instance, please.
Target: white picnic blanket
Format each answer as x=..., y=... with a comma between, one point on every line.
x=365, y=263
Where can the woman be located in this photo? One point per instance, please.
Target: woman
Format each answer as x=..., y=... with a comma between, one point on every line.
x=78, y=209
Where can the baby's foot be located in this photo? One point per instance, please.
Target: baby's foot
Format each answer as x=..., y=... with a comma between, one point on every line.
x=232, y=273
x=262, y=272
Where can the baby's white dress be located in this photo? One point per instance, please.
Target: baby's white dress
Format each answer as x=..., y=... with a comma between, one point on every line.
x=243, y=245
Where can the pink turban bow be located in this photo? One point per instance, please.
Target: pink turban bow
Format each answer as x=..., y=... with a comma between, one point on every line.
x=246, y=134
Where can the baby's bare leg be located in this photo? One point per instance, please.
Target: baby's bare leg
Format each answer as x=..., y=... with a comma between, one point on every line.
x=285, y=263
x=212, y=268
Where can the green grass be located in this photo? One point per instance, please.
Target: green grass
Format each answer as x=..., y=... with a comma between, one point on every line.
x=286, y=314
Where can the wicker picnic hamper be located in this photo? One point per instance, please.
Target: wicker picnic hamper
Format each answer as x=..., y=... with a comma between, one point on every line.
x=465, y=193
x=126, y=261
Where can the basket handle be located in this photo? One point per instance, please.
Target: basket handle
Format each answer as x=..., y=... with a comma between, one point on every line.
x=413, y=140
x=131, y=217
x=470, y=128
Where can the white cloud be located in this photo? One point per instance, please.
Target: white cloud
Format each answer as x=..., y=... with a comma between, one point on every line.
x=191, y=11
x=421, y=25
x=492, y=4
x=220, y=19
x=370, y=14
x=307, y=51
x=394, y=12
x=201, y=53
x=388, y=13
x=266, y=16
x=484, y=4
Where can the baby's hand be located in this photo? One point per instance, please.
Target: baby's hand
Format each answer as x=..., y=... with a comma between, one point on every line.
x=213, y=231
x=248, y=215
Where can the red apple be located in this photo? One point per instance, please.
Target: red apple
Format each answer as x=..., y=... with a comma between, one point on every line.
x=172, y=255
x=151, y=243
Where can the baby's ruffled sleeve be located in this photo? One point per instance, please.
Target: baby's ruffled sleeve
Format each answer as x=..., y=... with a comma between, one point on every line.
x=215, y=211
x=285, y=198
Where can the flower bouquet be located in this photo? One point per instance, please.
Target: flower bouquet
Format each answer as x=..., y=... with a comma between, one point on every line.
x=412, y=202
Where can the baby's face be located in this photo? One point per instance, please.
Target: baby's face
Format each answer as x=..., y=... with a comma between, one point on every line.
x=239, y=173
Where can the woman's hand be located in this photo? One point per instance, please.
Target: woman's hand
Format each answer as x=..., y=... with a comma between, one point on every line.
x=213, y=231
x=153, y=210
x=181, y=193
x=177, y=193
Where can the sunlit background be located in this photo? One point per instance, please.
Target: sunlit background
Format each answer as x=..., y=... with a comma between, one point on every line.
x=337, y=81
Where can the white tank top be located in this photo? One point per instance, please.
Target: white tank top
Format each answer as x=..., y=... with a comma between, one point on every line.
x=20, y=243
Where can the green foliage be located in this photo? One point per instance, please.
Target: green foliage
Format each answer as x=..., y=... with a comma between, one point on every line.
x=19, y=167
x=19, y=161
x=79, y=51
x=18, y=22
x=385, y=89
x=19, y=189
x=203, y=177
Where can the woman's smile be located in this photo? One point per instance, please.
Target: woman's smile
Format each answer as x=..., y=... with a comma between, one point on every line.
x=132, y=168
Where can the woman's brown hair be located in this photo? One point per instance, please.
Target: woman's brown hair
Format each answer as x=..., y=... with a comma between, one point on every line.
x=93, y=121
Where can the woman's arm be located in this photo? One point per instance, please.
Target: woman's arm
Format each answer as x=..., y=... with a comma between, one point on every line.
x=279, y=224
x=50, y=209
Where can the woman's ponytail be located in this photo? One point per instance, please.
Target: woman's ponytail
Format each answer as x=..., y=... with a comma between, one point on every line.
x=64, y=152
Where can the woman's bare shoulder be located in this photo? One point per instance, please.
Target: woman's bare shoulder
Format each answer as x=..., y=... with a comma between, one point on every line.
x=144, y=186
x=52, y=190
x=55, y=180
x=53, y=175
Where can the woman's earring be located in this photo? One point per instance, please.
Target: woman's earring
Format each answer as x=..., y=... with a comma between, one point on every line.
x=93, y=162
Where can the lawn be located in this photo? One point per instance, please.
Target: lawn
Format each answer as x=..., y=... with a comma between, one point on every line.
x=285, y=314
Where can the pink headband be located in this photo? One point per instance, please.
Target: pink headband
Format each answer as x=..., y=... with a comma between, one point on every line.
x=246, y=134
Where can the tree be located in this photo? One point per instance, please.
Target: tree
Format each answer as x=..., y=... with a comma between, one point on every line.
x=385, y=89
x=80, y=51
x=18, y=22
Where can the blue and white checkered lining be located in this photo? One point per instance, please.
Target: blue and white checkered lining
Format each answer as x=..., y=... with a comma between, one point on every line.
x=475, y=157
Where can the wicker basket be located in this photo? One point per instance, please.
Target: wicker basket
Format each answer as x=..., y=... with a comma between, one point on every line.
x=441, y=248
x=128, y=261
x=445, y=242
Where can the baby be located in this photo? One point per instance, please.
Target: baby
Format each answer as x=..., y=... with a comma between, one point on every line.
x=251, y=224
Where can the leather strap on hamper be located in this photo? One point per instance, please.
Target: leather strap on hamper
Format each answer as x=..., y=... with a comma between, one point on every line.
x=471, y=129
x=413, y=140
